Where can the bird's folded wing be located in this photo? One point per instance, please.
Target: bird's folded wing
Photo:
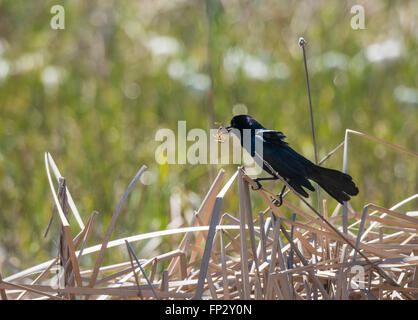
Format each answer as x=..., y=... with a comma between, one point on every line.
x=271, y=135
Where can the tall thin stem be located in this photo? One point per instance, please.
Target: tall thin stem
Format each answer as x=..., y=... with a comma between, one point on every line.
x=210, y=104
x=302, y=44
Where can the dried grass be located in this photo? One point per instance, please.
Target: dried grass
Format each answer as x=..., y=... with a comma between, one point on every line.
x=262, y=256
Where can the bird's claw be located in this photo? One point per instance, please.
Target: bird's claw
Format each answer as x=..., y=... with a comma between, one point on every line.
x=259, y=186
x=279, y=202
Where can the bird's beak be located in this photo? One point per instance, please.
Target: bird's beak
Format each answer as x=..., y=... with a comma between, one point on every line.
x=228, y=128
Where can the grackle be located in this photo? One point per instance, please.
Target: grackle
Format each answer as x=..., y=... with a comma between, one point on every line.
x=290, y=165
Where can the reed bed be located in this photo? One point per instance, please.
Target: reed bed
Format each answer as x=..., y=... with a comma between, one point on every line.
x=246, y=255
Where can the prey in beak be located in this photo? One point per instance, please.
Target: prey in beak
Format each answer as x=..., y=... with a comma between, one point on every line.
x=219, y=136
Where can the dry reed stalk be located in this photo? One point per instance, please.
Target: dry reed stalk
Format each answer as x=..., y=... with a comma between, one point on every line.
x=135, y=275
x=112, y=225
x=3, y=294
x=5, y=285
x=243, y=237
x=66, y=231
x=211, y=234
x=206, y=208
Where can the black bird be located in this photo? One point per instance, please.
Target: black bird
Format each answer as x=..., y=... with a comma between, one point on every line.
x=293, y=167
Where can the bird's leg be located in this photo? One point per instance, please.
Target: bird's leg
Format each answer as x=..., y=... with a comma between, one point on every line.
x=279, y=202
x=259, y=186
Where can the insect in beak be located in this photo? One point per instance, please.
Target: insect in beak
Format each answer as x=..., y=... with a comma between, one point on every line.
x=221, y=132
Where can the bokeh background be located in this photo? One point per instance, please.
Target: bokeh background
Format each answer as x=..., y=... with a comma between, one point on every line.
x=95, y=93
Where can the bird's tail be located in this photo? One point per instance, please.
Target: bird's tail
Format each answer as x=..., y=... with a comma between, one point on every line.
x=339, y=185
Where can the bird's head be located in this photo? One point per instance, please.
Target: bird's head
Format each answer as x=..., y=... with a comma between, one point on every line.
x=242, y=122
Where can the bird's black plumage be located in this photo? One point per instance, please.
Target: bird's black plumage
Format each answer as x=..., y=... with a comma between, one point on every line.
x=296, y=169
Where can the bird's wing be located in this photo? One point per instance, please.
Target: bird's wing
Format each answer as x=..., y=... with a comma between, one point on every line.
x=271, y=135
x=286, y=161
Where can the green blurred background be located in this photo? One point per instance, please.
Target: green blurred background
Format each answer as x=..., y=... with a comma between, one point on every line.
x=95, y=93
